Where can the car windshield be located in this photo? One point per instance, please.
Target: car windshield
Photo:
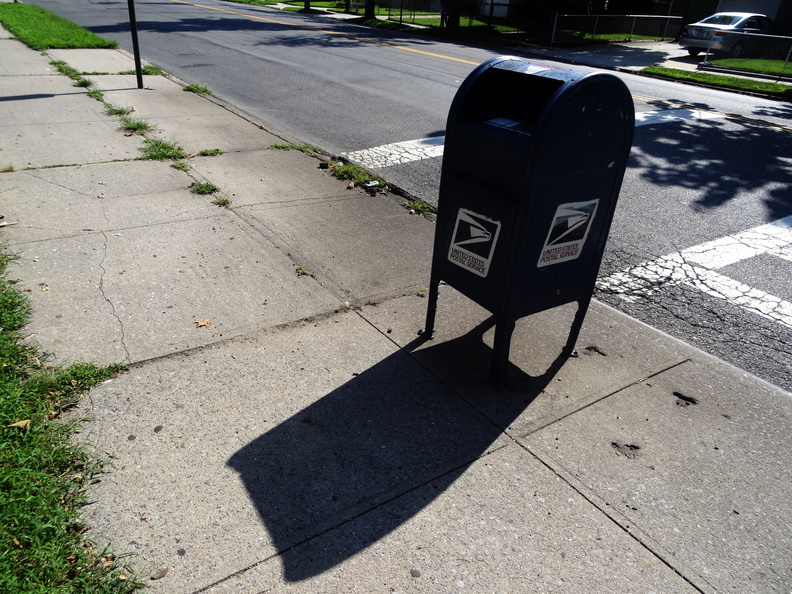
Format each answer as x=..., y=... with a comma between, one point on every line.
x=722, y=19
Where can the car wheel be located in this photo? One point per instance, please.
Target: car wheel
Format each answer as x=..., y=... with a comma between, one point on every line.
x=694, y=51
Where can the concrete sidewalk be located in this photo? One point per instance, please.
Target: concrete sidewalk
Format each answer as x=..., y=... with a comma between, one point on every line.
x=631, y=56
x=288, y=432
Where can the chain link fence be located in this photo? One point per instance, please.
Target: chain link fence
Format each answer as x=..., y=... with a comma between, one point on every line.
x=768, y=55
x=429, y=12
x=572, y=28
x=514, y=20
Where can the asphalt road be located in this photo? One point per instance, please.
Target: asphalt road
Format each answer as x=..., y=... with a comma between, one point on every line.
x=715, y=167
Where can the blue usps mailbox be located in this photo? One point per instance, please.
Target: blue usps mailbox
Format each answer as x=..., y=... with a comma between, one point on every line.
x=533, y=163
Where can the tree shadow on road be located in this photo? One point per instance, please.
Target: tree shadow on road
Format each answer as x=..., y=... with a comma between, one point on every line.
x=719, y=160
x=313, y=31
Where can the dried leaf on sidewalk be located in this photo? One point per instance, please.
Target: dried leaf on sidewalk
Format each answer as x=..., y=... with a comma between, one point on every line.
x=204, y=323
x=160, y=574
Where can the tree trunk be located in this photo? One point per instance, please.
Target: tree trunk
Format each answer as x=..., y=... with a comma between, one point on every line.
x=454, y=14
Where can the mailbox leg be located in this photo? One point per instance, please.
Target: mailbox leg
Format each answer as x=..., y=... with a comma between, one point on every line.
x=431, y=309
x=577, y=325
x=500, y=353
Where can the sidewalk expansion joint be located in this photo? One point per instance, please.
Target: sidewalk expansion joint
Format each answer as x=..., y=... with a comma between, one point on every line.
x=624, y=524
x=606, y=396
x=313, y=318
x=109, y=301
x=621, y=522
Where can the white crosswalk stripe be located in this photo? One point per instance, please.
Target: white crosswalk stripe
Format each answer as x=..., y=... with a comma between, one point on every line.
x=400, y=153
x=696, y=267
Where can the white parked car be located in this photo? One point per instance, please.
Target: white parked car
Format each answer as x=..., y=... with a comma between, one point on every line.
x=711, y=32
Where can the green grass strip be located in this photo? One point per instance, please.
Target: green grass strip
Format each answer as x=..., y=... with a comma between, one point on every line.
x=256, y=2
x=41, y=30
x=770, y=67
x=727, y=82
x=42, y=473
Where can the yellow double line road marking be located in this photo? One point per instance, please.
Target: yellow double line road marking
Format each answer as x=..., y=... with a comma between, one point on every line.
x=328, y=32
x=672, y=104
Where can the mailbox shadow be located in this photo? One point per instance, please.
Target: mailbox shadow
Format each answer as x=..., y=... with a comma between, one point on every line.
x=322, y=479
x=36, y=96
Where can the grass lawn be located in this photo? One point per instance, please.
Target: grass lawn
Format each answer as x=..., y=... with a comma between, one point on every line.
x=42, y=474
x=256, y=2
x=771, y=67
x=778, y=90
x=574, y=36
x=41, y=30
x=616, y=37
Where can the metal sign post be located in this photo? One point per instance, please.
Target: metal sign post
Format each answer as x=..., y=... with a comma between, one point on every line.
x=135, y=46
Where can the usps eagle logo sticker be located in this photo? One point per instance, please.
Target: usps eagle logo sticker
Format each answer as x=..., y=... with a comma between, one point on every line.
x=473, y=242
x=568, y=232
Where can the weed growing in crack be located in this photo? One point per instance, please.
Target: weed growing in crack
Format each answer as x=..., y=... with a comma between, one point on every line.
x=147, y=70
x=65, y=69
x=96, y=94
x=72, y=73
x=221, y=201
x=198, y=90
x=210, y=153
x=308, y=149
x=117, y=111
x=417, y=207
x=356, y=175
x=303, y=271
x=204, y=188
x=181, y=166
x=156, y=149
x=135, y=126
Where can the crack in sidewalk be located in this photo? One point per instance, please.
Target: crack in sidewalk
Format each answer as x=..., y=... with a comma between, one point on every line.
x=109, y=302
